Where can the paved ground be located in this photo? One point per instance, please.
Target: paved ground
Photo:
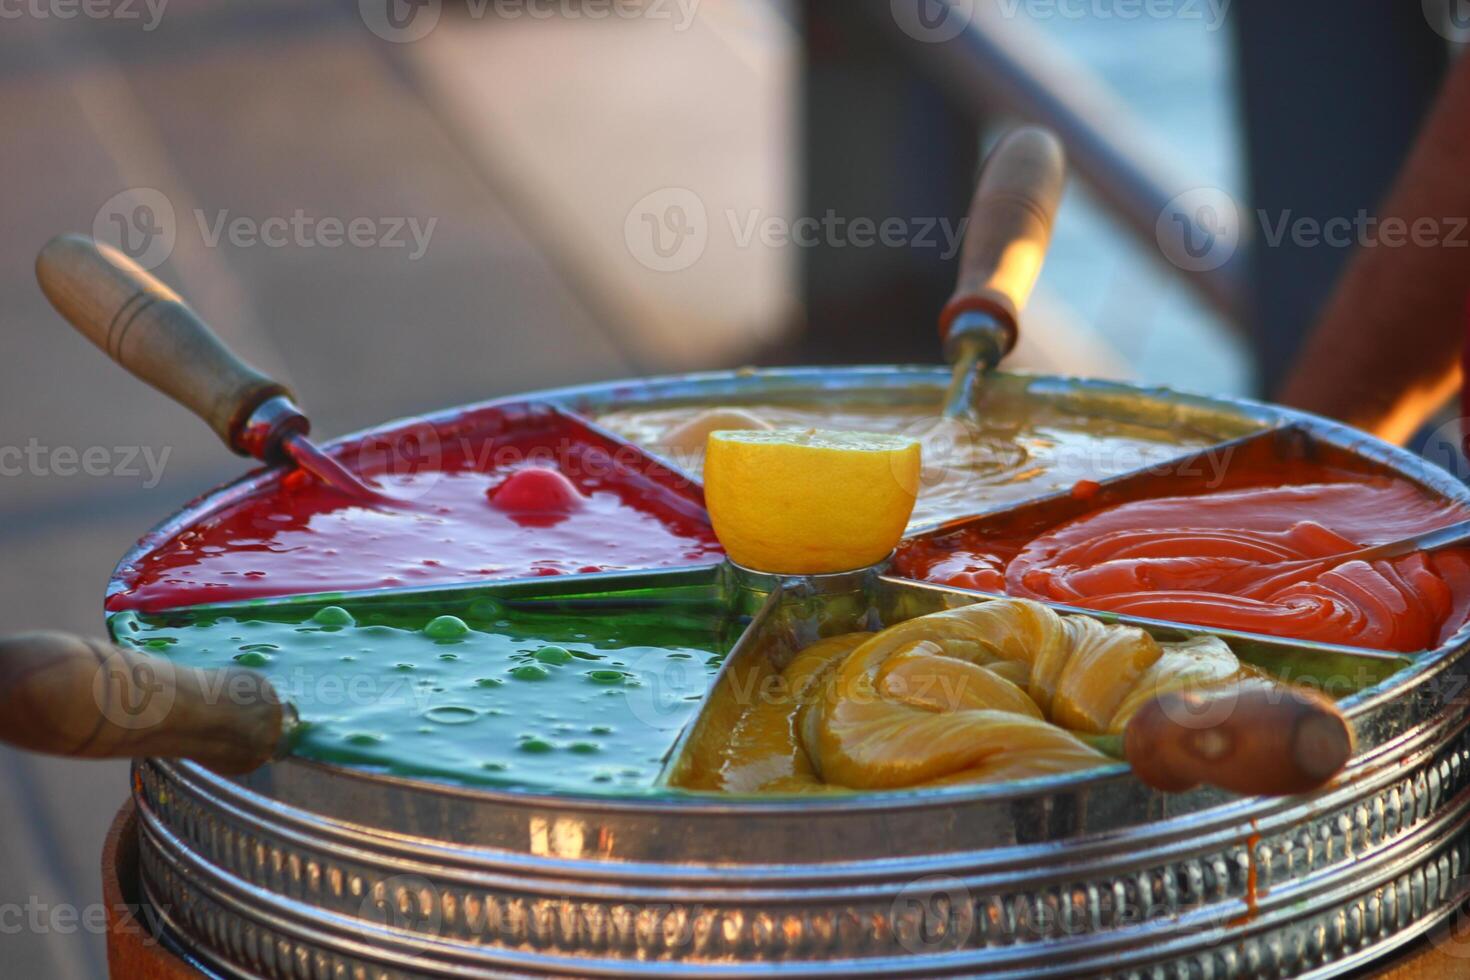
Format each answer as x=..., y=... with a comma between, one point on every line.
x=257, y=113
x=527, y=143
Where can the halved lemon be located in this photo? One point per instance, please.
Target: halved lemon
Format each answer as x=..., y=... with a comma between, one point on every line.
x=809, y=501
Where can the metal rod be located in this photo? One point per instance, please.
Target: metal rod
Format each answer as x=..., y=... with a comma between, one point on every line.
x=304, y=453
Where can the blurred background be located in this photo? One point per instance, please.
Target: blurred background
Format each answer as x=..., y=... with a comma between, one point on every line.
x=400, y=205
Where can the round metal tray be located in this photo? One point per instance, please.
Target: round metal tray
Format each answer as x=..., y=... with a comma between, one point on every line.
x=308, y=870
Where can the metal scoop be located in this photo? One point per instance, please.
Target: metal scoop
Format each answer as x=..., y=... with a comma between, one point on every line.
x=1007, y=233
x=148, y=329
x=1248, y=581
x=1443, y=537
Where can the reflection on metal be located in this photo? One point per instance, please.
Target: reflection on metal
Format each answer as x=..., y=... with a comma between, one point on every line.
x=306, y=870
x=999, y=64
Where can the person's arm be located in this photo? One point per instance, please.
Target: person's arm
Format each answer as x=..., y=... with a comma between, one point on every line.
x=1385, y=353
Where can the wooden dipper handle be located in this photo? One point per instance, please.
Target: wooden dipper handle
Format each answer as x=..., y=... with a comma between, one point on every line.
x=144, y=326
x=66, y=695
x=1254, y=738
x=1008, y=228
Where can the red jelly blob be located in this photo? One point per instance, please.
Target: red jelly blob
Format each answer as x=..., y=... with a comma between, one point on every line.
x=536, y=490
x=1086, y=489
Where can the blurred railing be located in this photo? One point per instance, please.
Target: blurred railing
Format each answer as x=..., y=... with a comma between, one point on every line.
x=999, y=65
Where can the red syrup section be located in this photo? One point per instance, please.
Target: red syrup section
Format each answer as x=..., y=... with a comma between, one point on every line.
x=614, y=509
x=1216, y=559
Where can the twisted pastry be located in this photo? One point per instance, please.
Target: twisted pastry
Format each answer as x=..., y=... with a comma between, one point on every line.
x=984, y=693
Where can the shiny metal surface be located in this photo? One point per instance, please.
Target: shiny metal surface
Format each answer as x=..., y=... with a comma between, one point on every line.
x=1443, y=537
x=307, y=870
x=975, y=343
x=272, y=420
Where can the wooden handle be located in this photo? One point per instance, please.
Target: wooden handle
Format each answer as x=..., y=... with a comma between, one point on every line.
x=144, y=326
x=1255, y=738
x=1008, y=229
x=65, y=695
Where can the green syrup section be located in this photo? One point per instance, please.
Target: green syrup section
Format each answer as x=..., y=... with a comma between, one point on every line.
x=583, y=695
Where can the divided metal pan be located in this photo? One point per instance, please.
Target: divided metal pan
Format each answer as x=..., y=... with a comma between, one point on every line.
x=309, y=870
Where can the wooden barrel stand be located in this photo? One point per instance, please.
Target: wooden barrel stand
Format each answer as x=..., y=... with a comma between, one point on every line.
x=133, y=951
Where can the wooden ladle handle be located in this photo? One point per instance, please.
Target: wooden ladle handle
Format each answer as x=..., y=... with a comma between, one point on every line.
x=1008, y=229
x=1254, y=738
x=65, y=695
x=144, y=326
